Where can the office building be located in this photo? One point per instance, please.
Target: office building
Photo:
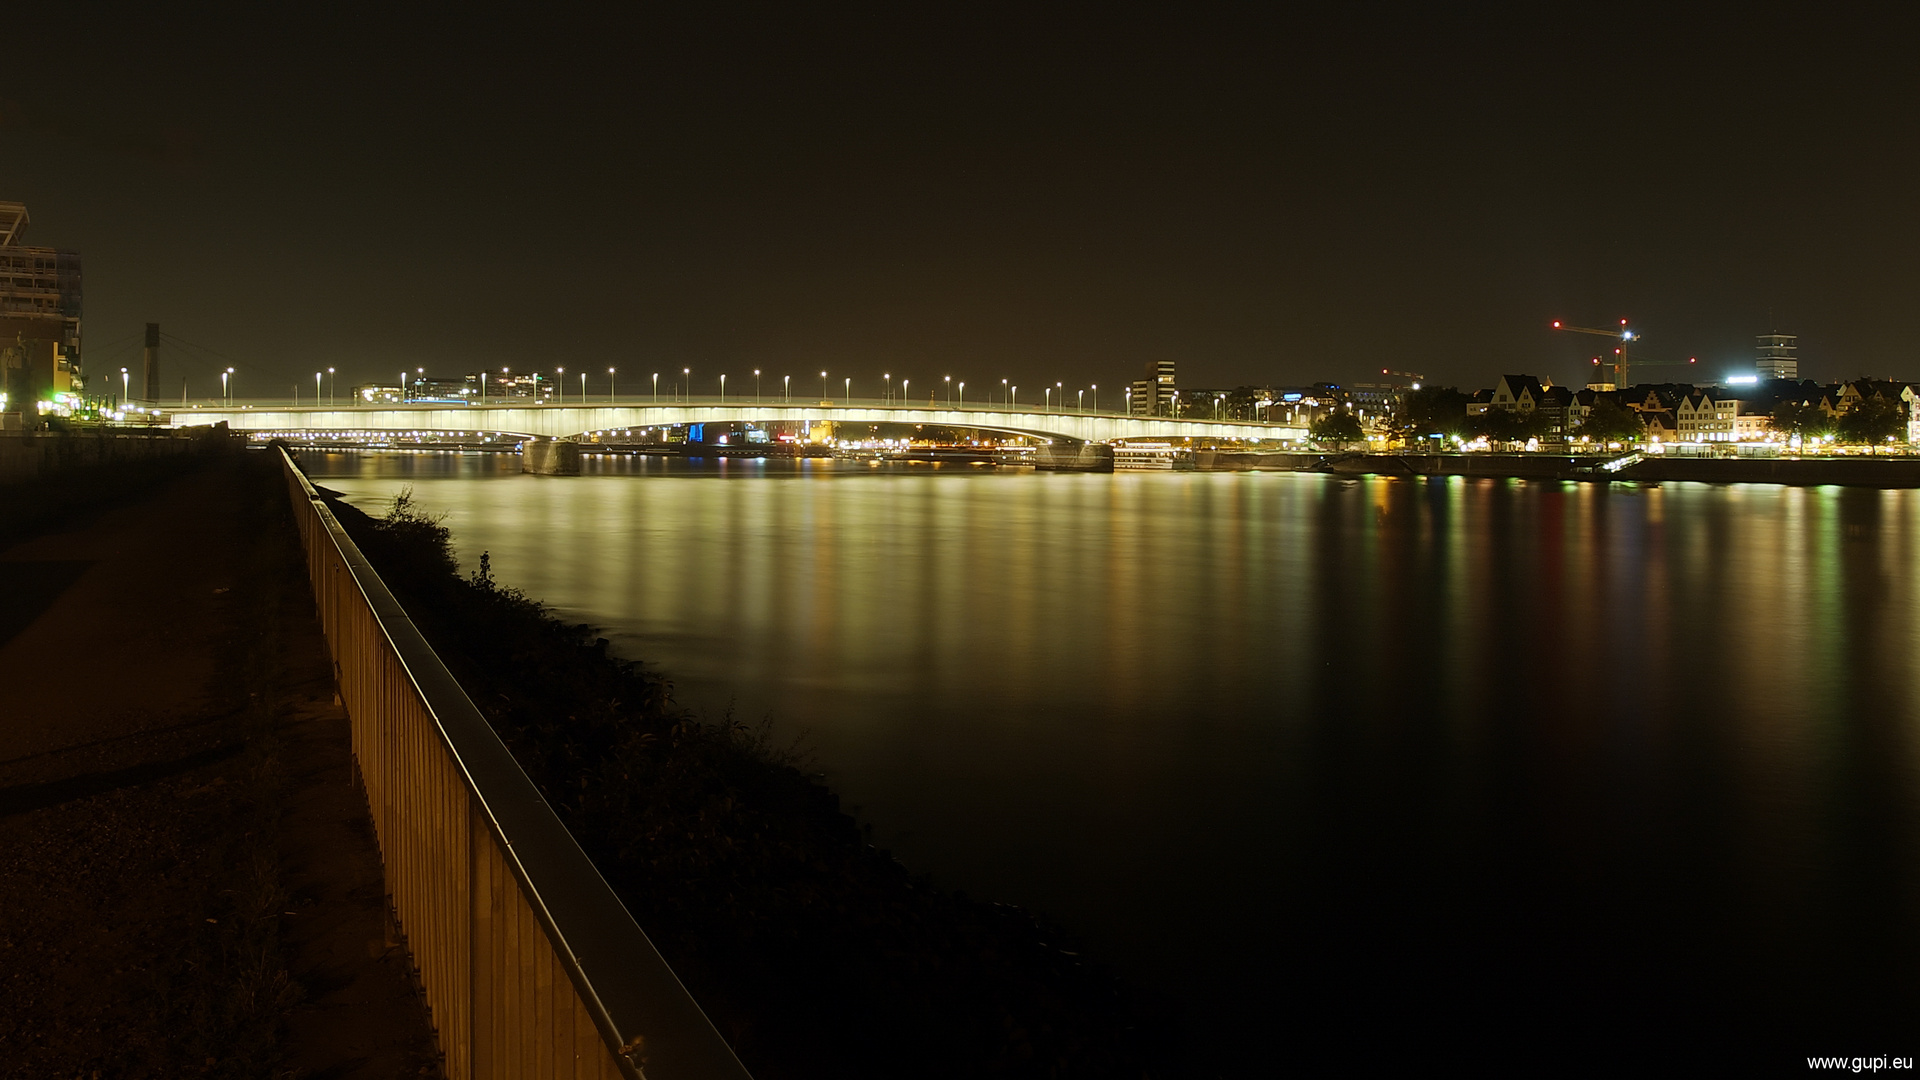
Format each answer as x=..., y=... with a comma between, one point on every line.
x=39, y=318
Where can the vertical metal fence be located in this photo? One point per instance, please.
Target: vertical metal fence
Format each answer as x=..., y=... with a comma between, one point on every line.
x=531, y=966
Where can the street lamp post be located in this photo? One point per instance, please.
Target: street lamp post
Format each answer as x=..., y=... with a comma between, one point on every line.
x=583, y=388
x=1080, y=400
x=1046, y=399
x=949, y=382
x=723, y=389
x=124, y=387
x=906, y=386
x=560, y=384
x=849, y=390
x=333, y=389
x=889, y=378
x=656, y=388
x=316, y=388
x=403, y=384
x=686, y=375
x=1003, y=392
x=1096, y=397
x=756, y=386
x=609, y=386
x=226, y=393
x=1129, y=402
x=786, y=388
x=1062, y=387
x=963, y=393
x=823, y=384
x=1013, y=398
x=483, y=388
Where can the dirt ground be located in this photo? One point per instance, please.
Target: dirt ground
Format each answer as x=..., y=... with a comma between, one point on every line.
x=188, y=880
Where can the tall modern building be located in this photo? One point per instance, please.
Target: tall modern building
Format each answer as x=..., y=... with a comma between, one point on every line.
x=39, y=316
x=1153, y=395
x=1774, y=356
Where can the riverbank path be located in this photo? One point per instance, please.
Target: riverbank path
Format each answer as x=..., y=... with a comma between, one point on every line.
x=187, y=872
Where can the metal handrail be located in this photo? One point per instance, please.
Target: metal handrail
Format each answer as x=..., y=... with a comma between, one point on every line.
x=422, y=747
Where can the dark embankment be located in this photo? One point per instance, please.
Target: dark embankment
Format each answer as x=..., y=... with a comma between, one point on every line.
x=816, y=954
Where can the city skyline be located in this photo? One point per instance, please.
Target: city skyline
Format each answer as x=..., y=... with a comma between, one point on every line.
x=1261, y=202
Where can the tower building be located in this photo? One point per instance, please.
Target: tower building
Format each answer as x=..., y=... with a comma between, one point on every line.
x=1774, y=356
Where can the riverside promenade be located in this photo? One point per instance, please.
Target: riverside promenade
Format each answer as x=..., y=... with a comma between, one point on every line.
x=189, y=879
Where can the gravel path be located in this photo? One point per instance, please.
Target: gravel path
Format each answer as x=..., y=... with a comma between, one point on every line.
x=188, y=881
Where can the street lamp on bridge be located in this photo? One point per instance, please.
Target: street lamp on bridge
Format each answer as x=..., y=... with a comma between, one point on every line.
x=1096, y=397
x=609, y=386
x=723, y=388
x=823, y=385
x=656, y=388
x=686, y=375
x=560, y=383
x=1003, y=392
x=849, y=390
x=889, y=378
x=786, y=388
x=316, y=388
x=949, y=380
x=756, y=386
x=333, y=389
x=963, y=393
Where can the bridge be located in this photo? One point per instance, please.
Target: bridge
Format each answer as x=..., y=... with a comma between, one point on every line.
x=557, y=421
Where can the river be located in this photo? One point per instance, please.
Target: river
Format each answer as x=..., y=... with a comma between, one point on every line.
x=1330, y=768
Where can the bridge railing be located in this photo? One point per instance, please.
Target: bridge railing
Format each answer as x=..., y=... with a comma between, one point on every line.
x=531, y=965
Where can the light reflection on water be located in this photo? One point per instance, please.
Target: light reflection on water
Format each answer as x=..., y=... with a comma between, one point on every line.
x=1334, y=750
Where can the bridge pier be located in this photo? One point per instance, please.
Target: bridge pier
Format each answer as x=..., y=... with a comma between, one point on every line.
x=550, y=457
x=1074, y=457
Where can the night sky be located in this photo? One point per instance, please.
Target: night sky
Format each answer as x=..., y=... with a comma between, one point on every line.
x=1042, y=196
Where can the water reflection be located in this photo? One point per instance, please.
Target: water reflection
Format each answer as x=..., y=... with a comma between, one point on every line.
x=1465, y=763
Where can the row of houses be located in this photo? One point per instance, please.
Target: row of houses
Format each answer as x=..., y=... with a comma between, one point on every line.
x=1689, y=412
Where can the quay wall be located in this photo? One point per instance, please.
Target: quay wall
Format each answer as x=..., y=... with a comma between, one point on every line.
x=30, y=455
x=1853, y=471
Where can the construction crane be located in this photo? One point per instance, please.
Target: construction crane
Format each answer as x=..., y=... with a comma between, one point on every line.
x=1415, y=376
x=1621, y=360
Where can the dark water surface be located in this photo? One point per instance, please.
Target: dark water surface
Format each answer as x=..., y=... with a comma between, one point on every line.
x=1340, y=768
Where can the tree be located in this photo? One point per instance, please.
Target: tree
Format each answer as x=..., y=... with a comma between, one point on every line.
x=1800, y=419
x=1508, y=425
x=1339, y=426
x=1873, y=421
x=1609, y=421
x=1432, y=410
